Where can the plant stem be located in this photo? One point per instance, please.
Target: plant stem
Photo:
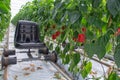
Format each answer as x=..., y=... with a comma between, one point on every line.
x=109, y=21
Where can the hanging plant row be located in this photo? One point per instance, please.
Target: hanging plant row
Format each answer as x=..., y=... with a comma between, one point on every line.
x=93, y=24
x=4, y=16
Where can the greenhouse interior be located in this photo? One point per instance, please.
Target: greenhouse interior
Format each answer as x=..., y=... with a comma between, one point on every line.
x=59, y=39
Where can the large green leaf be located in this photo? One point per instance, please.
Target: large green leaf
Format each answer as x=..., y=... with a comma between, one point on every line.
x=113, y=6
x=100, y=51
x=96, y=3
x=97, y=47
x=86, y=69
x=89, y=49
x=95, y=21
x=90, y=35
x=3, y=8
x=103, y=40
x=74, y=16
x=117, y=55
x=7, y=3
x=113, y=76
x=100, y=45
x=76, y=58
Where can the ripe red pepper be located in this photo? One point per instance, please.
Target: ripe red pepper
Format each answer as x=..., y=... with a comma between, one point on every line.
x=57, y=33
x=54, y=36
x=81, y=38
x=83, y=29
x=118, y=30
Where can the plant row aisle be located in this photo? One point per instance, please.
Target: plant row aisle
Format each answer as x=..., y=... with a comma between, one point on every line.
x=90, y=24
x=4, y=16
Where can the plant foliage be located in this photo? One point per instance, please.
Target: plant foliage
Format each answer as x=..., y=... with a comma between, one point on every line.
x=4, y=16
x=94, y=24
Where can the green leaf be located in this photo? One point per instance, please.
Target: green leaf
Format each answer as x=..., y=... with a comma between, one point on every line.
x=91, y=20
x=86, y=69
x=76, y=69
x=74, y=16
x=66, y=49
x=100, y=51
x=58, y=5
x=90, y=35
x=100, y=45
x=83, y=6
x=63, y=36
x=42, y=38
x=95, y=21
x=84, y=21
x=110, y=31
x=113, y=6
x=109, y=47
x=103, y=40
x=51, y=46
x=47, y=44
x=57, y=49
x=113, y=76
x=97, y=47
x=67, y=59
x=118, y=39
x=96, y=3
x=117, y=55
x=76, y=58
x=3, y=8
x=54, y=14
x=62, y=55
x=63, y=17
x=71, y=66
x=75, y=34
x=89, y=49
x=7, y=3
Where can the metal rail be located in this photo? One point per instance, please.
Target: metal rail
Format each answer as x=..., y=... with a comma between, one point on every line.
x=64, y=73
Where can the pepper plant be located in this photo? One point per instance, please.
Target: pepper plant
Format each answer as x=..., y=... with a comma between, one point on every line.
x=4, y=16
x=92, y=24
